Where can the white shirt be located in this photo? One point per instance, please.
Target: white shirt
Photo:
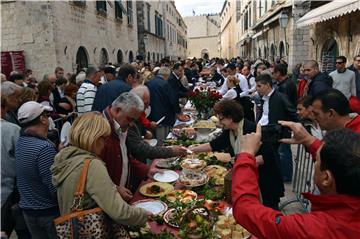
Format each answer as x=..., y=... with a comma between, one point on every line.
x=265, y=115
x=85, y=97
x=224, y=88
x=243, y=85
x=230, y=94
x=125, y=160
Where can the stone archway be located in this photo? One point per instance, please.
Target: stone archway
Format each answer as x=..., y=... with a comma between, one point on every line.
x=329, y=52
x=131, y=56
x=120, y=57
x=281, y=49
x=205, y=54
x=82, y=58
x=104, y=57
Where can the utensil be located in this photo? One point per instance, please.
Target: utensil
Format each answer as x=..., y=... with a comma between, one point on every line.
x=160, y=120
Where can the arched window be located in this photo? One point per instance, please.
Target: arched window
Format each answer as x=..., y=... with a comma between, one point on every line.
x=131, y=57
x=154, y=57
x=148, y=57
x=204, y=54
x=120, y=57
x=157, y=56
x=82, y=58
x=104, y=57
x=281, y=49
x=328, y=55
x=259, y=53
x=272, y=53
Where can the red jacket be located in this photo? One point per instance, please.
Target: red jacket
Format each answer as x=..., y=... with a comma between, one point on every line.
x=354, y=125
x=332, y=216
x=144, y=121
x=111, y=155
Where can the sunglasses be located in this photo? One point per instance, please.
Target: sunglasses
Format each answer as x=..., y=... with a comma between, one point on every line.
x=339, y=62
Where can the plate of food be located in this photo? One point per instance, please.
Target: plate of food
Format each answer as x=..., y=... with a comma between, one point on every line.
x=173, y=217
x=193, y=164
x=184, y=133
x=193, y=179
x=216, y=172
x=184, y=118
x=167, y=176
x=197, y=223
x=184, y=196
x=156, y=207
x=226, y=227
x=156, y=189
x=204, y=126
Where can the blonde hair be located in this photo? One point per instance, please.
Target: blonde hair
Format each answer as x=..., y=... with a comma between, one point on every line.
x=87, y=129
x=233, y=80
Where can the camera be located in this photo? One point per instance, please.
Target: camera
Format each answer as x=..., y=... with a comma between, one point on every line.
x=272, y=133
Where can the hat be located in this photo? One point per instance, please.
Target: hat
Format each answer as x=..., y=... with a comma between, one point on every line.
x=110, y=70
x=156, y=69
x=31, y=110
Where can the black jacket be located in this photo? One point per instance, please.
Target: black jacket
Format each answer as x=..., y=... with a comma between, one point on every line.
x=288, y=88
x=218, y=79
x=178, y=88
x=280, y=108
x=321, y=82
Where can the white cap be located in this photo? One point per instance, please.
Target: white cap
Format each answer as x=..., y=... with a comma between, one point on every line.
x=156, y=68
x=31, y=110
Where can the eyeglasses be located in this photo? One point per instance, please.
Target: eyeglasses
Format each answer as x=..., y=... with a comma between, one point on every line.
x=339, y=62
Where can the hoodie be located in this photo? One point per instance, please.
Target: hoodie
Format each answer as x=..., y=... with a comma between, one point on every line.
x=100, y=191
x=321, y=82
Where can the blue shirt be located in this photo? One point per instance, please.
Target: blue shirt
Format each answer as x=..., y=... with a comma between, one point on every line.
x=34, y=156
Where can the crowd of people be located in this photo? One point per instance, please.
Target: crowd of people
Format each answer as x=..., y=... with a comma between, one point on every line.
x=116, y=110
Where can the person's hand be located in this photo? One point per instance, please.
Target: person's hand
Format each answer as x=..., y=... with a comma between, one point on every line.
x=250, y=143
x=259, y=160
x=125, y=193
x=178, y=150
x=153, y=125
x=152, y=171
x=300, y=134
x=148, y=135
x=61, y=146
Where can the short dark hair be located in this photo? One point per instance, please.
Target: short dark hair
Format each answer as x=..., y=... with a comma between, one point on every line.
x=92, y=70
x=126, y=70
x=264, y=79
x=177, y=65
x=15, y=77
x=281, y=68
x=57, y=69
x=306, y=101
x=61, y=81
x=231, y=66
x=343, y=58
x=341, y=156
x=229, y=109
x=356, y=57
x=333, y=99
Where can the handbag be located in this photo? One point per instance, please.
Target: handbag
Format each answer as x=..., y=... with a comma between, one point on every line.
x=91, y=223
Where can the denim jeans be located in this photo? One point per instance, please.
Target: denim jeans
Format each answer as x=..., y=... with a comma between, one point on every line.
x=286, y=162
x=41, y=227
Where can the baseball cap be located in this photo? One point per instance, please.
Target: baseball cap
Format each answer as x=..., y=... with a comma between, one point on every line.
x=31, y=110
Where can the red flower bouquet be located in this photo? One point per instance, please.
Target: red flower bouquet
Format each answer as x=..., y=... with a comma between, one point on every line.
x=204, y=101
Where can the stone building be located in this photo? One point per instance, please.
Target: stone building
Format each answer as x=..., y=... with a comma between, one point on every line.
x=71, y=34
x=228, y=29
x=334, y=31
x=268, y=30
x=203, y=36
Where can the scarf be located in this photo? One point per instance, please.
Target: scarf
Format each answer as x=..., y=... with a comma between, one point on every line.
x=235, y=141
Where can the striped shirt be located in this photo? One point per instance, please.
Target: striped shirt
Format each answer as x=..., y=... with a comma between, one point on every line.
x=34, y=156
x=85, y=96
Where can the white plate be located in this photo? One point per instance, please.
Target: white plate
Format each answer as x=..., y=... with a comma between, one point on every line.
x=65, y=133
x=167, y=176
x=156, y=207
x=152, y=142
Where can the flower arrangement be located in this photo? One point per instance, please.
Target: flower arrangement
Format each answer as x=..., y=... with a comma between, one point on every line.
x=204, y=100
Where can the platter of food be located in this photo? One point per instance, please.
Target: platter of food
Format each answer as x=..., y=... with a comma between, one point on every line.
x=173, y=217
x=193, y=164
x=193, y=179
x=184, y=133
x=216, y=172
x=167, y=176
x=156, y=207
x=204, y=126
x=165, y=163
x=184, y=118
x=184, y=196
x=226, y=227
x=156, y=189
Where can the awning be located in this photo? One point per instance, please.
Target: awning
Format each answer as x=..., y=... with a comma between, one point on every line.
x=329, y=11
x=276, y=18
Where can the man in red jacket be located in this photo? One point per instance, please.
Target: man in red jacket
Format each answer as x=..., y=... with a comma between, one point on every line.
x=335, y=213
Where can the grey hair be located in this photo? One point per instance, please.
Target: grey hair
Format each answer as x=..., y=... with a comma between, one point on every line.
x=140, y=90
x=91, y=71
x=128, y=100
x=164, y=71
x=8, y=88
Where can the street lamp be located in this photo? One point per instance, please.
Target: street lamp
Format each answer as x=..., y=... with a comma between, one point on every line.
x=283, y=21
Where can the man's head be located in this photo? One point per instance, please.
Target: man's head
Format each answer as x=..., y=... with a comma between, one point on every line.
x=328, y=107
x=17, y=79
x=263, y=84
x=224, y=72
x=126, y=109
x=178, y=69
x=61, y=83
x=357, y=62
x=337, y=167
x=12, y=92
x=164, y=72
x=304, y=108
x=340, y=63
x=311, y=69
x=228, y=113
x=94, y=74
x=34, y=114
x=260, y=68
x=110, y=73
x=280, y=72
x=246, y=70
x=231, y=68
x=52, y=79
x=144, y=93
x=128, y=73
x=59, y=72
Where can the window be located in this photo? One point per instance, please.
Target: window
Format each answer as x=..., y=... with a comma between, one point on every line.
x=158, y=25
x=246, y=21
x=119, y=57
x=129, y=12
x=272, y=2
x=238, y=10
x=131, y=57
x=266, y=5
x=80, y=3
x=118, y=10
x=104, y=57
x=148, y=18
x=101, y=6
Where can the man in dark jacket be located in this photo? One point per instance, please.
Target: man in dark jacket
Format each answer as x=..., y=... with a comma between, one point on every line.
x=107, y=93
x=317, y=81
x=175, y=83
